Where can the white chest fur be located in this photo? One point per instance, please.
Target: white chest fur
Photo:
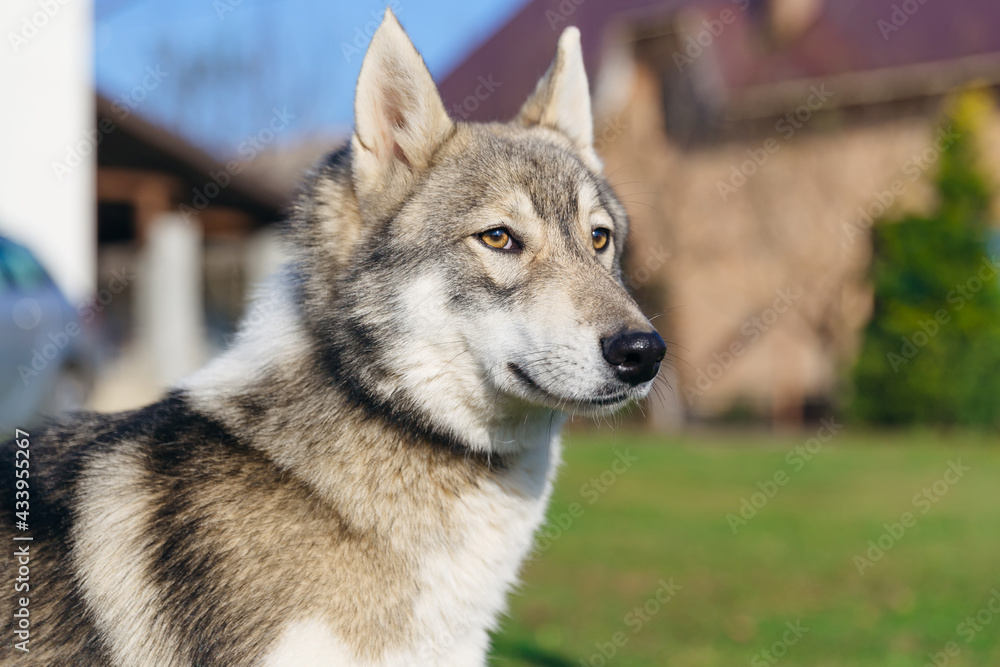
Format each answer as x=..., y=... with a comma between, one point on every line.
x=463, y=584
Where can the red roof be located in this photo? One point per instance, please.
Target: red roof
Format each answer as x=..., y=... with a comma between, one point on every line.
x=850, y=36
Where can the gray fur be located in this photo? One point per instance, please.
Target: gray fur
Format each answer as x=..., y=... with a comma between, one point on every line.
x=315, y=473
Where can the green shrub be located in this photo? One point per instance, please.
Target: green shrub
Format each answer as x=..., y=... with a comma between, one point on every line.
x=931, y=352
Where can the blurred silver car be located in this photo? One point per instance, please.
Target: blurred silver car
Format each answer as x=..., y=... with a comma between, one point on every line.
x=45, y=362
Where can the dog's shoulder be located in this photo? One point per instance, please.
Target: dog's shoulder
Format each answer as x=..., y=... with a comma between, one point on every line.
x=158, y=437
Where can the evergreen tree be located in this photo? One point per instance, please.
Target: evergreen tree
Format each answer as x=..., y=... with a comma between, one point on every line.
x=931, y=352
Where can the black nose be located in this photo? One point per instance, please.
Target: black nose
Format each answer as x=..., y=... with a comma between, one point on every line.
x=635, y=355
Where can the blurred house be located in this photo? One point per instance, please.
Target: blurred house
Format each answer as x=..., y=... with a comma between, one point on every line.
x=182, y=238
x=753, y=144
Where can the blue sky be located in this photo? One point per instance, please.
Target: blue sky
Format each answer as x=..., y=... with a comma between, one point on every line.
x=224, y=65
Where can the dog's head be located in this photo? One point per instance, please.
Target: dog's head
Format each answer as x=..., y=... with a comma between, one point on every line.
x=477, y=280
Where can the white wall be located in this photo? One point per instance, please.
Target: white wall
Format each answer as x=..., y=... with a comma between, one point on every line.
x=47, y=152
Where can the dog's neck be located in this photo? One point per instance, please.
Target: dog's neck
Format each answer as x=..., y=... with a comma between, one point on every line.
x=270, y=391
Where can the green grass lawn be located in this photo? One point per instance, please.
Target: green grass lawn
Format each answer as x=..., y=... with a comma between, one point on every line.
x=664, y=519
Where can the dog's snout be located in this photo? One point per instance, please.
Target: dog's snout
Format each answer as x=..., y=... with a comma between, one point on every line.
x=635, y=355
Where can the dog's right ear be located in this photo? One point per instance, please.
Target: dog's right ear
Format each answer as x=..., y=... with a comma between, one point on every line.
x=399, y=120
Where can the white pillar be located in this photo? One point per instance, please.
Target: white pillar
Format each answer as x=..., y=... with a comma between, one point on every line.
x=170, y=324
x=47, y=128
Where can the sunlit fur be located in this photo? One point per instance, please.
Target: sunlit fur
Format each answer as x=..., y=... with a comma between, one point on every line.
x=358, y=479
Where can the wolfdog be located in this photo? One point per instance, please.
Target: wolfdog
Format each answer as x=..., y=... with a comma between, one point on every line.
x=357, y=479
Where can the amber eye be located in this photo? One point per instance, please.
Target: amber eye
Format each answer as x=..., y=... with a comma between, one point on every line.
x=498, y=238
x=601, y=237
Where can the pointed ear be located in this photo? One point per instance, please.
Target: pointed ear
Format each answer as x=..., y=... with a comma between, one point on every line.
x=399, y=119
x=562, y=98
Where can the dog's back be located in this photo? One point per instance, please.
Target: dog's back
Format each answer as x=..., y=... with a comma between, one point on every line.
x=45, y=618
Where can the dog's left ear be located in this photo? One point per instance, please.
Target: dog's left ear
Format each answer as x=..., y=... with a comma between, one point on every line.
x=562, y=98
x=399, y=120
